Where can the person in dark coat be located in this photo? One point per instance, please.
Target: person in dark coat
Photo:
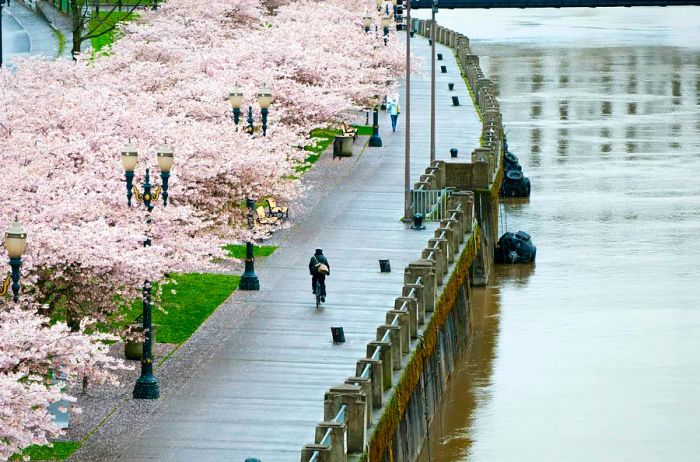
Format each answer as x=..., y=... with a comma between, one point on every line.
x=317, y=259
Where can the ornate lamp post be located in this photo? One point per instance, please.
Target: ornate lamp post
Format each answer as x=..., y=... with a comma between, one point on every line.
x=249, y=280
x=236, y=99
x=264, y=98
x=386, y=21
x=147, y=384
x=375, y=141
x=15, y=243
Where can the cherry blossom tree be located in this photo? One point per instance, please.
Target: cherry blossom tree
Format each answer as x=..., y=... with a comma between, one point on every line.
x=30, y=354
x=167, y=79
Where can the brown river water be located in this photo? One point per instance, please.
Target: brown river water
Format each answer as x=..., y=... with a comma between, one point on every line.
x=594, y=353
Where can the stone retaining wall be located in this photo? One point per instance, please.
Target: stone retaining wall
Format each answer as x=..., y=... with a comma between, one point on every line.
x=430, y=323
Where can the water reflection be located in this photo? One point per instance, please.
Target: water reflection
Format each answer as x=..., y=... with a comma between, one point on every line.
x=537, y=77
x=471, y=380
x=535, y=148
x=593, y=357
x=563, y=110
x=630, y=135
x=562, y=143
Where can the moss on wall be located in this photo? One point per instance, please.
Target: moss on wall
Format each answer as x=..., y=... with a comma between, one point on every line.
x=380, y=444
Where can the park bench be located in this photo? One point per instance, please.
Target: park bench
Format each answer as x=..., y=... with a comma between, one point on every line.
x=274, y=210
x=263, y=219
x=349, y=130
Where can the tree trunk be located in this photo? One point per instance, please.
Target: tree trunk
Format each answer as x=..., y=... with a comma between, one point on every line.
x=76, y=16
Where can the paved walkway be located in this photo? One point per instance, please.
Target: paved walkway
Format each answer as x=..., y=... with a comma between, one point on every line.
x=26, y=34
x=250, y=382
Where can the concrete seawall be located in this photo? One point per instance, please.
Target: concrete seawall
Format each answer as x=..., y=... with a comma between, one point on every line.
x=381, y=413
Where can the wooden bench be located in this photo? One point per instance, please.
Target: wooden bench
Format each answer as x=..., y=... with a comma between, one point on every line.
x=349, y=130
x=274, y=211
x=263, y=218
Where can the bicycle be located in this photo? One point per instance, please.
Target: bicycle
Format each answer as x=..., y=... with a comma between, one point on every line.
x=318, y=294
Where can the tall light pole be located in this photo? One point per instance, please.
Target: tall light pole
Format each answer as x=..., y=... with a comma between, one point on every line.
x=147, y=384
x=432, y=81
x=407, y=144
x=2, y=3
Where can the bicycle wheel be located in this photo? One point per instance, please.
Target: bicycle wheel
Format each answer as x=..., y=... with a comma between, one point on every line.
x=318, y=295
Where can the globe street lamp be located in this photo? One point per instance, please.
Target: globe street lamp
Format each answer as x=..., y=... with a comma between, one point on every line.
x=15, y=243
x=236, y=99
x=249, y=280
x=367, y=22
x=165, y=163
x=264, y=98
x=386, y=21
x=147, y=384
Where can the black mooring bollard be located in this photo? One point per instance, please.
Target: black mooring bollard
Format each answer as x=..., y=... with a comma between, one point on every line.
x=338, y=334
x=384, y=266
x=418, y=222
x=439, y=56
x=453, y=152
x=455, y=101
x=450, y=86
x=443, y=69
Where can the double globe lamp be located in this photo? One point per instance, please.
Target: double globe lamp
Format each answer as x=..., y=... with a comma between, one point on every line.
x=264, y=97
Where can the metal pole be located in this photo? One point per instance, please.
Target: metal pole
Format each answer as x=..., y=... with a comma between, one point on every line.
x=2, y=3
x=407, y=148
x=147, y=384
x=432, y=82
x=375, y=141
x=249, y=280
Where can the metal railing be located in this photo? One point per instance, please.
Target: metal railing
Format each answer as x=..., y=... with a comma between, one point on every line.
x=431, y=203
x=387, y=336
x=340, y=417
x=404, y=306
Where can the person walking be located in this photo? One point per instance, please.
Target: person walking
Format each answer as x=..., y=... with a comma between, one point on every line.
x=318, y=272
x=393, y=109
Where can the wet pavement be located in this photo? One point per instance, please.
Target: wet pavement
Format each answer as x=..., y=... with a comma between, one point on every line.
x=15, y=39
x=592, y=354
x=24, y=33
x=251, y=381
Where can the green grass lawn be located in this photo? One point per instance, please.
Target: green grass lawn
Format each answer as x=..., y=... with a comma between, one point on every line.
x=196, y=297
x=108, y=38
x=238, y=250
x=363, y=130
x=61, y=450
x=321, y=139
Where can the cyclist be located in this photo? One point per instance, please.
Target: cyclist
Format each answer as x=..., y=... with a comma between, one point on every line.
x=315, y=263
